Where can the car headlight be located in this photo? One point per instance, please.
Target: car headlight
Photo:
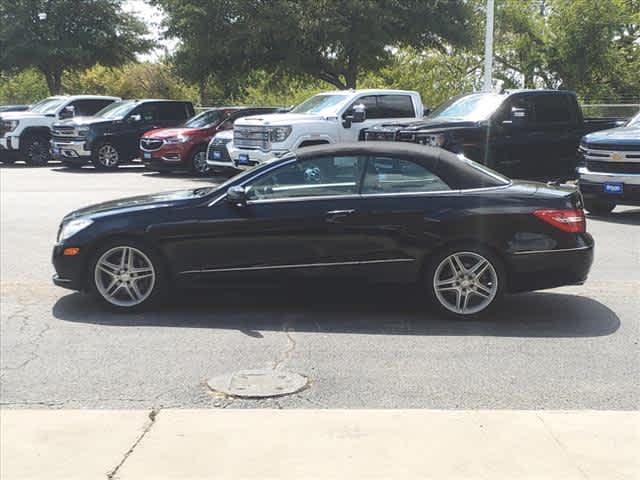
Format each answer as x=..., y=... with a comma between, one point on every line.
x=177, y=139
x=279, y=134
x=220, y=141
x=9, y=125
x=434, y=140
x=72, y=227
x=83, y=132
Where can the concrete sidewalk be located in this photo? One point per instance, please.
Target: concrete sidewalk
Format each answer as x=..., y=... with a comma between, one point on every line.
x=319, y=444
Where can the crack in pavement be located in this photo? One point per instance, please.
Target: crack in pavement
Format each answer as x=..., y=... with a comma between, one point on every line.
x=288, y=353
x=153, y=414
x=561, y=446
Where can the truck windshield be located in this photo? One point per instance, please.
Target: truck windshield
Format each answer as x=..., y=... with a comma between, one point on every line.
x=320, y=104
x=210, y=117
x=48, y=105
x=116, y=110
x=474, y=107
x=635, y=121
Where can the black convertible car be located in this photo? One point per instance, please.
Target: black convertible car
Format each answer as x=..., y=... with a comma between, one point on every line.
x=369, y=212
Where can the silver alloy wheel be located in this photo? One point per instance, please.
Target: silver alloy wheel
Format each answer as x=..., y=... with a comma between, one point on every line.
x=124, y=276
x=108, y=155
x=465, y=283
x=200, y=162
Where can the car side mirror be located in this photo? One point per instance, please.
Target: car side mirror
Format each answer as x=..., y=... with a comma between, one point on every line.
x=237, y=195
x=358, y=115
x=519, y=116
x=135, y=118
x=67, y=112
x=426, y=111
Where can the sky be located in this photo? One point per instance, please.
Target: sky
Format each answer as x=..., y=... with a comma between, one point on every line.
x=152, y=16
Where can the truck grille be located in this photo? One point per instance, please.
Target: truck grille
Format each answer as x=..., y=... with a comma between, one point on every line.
x=251, y=137
x=613, y=167
x=150, y=144
x=58, y=131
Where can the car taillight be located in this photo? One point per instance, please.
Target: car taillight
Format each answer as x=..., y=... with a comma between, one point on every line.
x=571, y=221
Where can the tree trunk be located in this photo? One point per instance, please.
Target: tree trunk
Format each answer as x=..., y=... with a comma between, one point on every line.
x=54, y=81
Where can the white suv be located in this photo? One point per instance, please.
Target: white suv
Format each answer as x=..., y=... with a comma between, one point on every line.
x=26, y=134
x=330, y=117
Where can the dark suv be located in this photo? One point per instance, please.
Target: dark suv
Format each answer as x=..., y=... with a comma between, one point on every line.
x=110, y=138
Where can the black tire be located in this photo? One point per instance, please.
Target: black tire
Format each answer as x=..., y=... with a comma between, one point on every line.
x=599, y=207
x=35, y=150
x=198, y=162
x=106, y=156
x=492, y=279
x=157, y=290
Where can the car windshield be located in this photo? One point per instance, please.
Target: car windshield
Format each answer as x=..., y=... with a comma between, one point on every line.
x=116, y=110
x=321, y=104
x=48, y=105
x=474, y=107
x=210, y=117
x=635, y=121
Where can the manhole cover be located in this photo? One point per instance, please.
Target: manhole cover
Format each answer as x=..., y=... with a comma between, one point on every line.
x=258, y=383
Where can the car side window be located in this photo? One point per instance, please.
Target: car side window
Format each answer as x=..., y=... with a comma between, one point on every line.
x=170, y=111
x=148, y=112
x=551, y=108
x=520, y=101
x=396, y=175
x=395, y=106
x=314, y=177
x=370, y=103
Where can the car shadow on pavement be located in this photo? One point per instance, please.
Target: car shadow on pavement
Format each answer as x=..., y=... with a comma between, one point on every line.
x=625, y=217
x=367, y=311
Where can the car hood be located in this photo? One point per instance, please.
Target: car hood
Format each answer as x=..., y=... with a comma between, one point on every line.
x=82, y=121
x=171, y=132
x=628, y=136
x=140, y=203
x=20, y=115
x=424, y=124
x=280, y=119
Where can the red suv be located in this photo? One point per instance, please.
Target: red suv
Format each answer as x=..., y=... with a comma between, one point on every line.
x=185, y=147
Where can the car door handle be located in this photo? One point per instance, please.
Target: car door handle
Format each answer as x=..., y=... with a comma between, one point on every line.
x=335, y=215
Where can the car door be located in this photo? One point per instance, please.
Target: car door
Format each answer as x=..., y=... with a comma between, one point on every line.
x=378, y=108
x=298, y=221
x=398, y=221
x=140, y=120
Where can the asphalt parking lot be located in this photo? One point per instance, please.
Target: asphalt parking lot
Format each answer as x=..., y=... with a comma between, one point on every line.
x=567, y=348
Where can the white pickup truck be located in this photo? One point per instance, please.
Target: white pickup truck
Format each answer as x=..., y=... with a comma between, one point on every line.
x=330, y=117
x=25, y=135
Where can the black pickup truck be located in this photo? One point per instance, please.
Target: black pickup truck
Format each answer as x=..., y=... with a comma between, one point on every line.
x=528, y=134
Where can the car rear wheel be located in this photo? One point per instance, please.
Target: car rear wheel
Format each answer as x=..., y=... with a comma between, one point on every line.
x=35, y=149
x=199, y=162
x=466, y=282
x=106, y=157
x=127, y=275
x=599, y=207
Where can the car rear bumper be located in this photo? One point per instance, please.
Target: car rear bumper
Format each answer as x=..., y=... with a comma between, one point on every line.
x=537, y=270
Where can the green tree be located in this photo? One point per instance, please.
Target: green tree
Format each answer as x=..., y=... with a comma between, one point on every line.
x=27, y=86
x=62, y=35
x=331, y=40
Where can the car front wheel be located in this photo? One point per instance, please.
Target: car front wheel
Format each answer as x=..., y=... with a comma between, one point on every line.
x=466, y=282
x=199, y=162
x=127, y=275
x=106, y=157
x=35, y=149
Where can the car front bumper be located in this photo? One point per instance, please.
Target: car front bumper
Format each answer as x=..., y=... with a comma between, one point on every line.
x=70, y=270
x=537, y=270
x=592, y=184
x=9, y=143
x=244, y=159
x=70, y=151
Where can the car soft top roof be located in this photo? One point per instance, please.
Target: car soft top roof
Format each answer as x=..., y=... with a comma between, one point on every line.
x=459, y=173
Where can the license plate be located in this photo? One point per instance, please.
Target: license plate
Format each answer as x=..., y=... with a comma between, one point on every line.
x=613, y=188
x=243, y=159
x=146, y=155
x=217, y=155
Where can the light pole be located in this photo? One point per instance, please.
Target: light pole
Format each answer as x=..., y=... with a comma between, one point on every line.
x=488, y=48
